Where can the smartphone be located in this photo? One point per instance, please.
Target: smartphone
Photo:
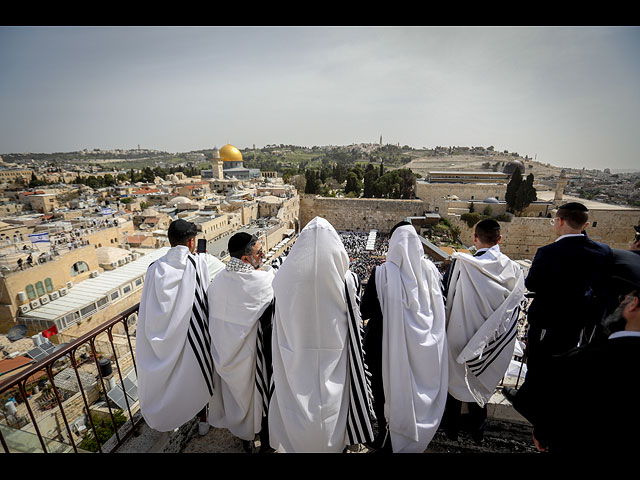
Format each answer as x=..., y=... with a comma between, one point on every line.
x=202, y=245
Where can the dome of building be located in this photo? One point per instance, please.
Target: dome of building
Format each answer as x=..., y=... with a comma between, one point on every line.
x=512, y=166
x=149, y=212
x=229, y=153
x=178, y=200
x=491, y=200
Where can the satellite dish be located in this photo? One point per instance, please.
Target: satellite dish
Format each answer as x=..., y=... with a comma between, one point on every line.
x=17, y=332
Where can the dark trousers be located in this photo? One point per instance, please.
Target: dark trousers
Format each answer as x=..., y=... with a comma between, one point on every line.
x=452, y=422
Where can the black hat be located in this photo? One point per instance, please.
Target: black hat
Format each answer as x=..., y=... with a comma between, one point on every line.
x=637, y=229
x=625, y=271
x=238, y=242
x=574, y=206
x=181, y=228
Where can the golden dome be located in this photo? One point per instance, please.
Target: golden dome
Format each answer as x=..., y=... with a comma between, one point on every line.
x=229, y=153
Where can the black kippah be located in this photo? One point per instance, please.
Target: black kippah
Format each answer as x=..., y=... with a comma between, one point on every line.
x=488, y=224
x=238, y=242
x=574, y=207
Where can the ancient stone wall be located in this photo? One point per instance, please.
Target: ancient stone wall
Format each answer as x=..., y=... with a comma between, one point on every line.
x=358, y=214
x=524, y=235
x=431, y=193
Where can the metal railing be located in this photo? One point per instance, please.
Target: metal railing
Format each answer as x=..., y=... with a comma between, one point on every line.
x=88, y=402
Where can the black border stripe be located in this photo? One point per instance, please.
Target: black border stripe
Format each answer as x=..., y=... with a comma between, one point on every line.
x=206, y=379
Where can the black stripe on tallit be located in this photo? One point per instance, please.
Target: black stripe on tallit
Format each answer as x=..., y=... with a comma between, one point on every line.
x=202, y=368
x=493, y=349
x=201, y=294
x=491, y=346
x=202, y=320
x=359, y=416
x=478, y=373
x=198, y=334
x=264, y=368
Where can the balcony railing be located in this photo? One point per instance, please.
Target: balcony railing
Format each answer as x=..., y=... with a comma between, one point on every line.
x=55, y=412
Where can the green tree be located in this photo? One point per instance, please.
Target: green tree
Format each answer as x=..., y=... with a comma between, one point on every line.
x=512, y=189
x=313, y=184
x=520, y=193
x=525, y=194
x=354, y=184
x=104, y=430
x=370, y=178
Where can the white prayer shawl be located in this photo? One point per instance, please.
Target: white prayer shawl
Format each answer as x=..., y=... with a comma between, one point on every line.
x=237, y=300
x=414, y=349
x=320, y=402
x=173, y=359
x=483, y=303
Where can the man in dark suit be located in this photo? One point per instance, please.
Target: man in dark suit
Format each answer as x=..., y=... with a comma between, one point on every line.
x=590, y=399
x=566, y=278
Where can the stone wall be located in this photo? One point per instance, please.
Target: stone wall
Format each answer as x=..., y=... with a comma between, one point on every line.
x=432, y=193
x=522, y=237
x=358, y=214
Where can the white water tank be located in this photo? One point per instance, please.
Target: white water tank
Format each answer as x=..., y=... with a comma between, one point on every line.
x=11, y=408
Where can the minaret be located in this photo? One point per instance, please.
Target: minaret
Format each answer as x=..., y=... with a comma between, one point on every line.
x=216, y=165
x=560, y=184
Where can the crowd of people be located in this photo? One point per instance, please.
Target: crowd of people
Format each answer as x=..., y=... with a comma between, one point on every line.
x=297, y=357
x=363, y=261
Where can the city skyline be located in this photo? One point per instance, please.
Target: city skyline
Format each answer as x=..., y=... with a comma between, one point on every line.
x=567, y=96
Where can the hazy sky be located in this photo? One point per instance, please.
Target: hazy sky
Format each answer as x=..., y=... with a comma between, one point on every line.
x=570, y=95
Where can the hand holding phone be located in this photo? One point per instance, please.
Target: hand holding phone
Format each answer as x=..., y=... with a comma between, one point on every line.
x=202, y=245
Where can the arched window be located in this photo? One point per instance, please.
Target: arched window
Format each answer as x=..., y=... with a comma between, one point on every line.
x=48, y=284
x=78, y=268
x=31, y=292
x=39, y=288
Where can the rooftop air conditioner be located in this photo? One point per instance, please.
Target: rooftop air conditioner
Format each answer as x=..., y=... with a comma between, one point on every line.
x=34, y=303
x=94, y=274
x=54, y=296
x=69, y=284
x=63, y=291
x=25, y=308
x=114, y=264
x=44, y=300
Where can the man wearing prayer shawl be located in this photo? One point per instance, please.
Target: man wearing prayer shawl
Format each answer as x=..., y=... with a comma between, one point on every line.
x=483, y=296
x=240, y=314
x=173, y=353
x=405, y=344
x=321, y=399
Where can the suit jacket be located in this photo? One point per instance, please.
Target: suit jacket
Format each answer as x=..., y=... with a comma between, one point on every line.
x=590, y=399
x=568, y=278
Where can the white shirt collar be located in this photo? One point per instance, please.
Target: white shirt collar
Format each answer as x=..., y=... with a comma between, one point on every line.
x=570, y=235
x=624, y=333
x=493, y=251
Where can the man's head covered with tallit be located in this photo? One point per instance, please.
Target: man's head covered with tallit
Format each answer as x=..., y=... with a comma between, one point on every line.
x=414, y=354
x=317, y=356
